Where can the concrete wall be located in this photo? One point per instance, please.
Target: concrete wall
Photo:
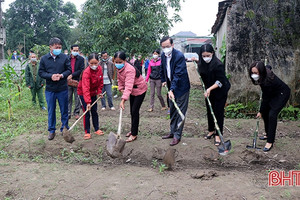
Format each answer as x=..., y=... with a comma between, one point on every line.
x=17, y=65
x=220, y=36
x=259, y=30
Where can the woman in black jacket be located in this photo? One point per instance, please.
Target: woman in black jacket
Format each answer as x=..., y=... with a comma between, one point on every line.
x=275, y=94
x=212, y=72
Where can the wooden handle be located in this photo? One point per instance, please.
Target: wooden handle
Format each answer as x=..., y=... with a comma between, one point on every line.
x=85, y=112
x=120, y=124
x=176, y=106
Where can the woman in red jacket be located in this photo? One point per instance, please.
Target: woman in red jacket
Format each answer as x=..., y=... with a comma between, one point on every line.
x=89, y=87
x=133, y=87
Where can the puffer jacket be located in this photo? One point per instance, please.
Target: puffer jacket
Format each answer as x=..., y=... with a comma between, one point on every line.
x=91, y=83
x=128, y=82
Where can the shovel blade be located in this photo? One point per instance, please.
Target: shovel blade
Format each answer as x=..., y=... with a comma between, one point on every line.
x=253, y=146
x=67, y=136
x=224, y=148
x=115, y=146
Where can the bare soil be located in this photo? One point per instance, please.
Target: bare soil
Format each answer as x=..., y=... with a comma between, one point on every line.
x=42, y=169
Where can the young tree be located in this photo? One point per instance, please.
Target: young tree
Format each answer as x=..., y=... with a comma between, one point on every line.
x=38, y=21
x=130, y=25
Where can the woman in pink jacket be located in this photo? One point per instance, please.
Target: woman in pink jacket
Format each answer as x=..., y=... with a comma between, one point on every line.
x=133, y=87
x=155, y=82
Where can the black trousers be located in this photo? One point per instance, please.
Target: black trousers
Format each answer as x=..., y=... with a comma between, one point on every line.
x=218, y=106
x=270, y=114
x=86, y=118
x=182, y=103
x=135, y=105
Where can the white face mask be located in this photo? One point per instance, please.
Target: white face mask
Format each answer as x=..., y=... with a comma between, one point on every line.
x=155, y=56
x=255, y=77
x=207, y=59
x=93, y=67
x=33, y=59
x=167, y=51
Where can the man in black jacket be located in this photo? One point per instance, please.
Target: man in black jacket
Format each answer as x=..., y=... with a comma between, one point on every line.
x=77, y=65
x=55, y=68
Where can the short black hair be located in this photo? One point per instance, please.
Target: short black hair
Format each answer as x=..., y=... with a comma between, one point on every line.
x=165, y=38
x=55, y=40
x=74, y=45
x=156, y=51
x=120, y=54
x=103, y=52
x=31, y=51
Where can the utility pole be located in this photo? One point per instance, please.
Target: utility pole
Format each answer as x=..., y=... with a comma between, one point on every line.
x=24, y=45
x=2, y=34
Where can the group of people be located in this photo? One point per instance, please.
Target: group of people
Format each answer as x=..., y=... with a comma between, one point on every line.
x=166, y=69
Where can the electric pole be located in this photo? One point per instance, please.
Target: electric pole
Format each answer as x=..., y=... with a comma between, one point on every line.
x=2, y=34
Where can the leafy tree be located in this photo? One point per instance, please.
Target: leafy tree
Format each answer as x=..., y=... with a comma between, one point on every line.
x=132, y=25
x=38, y=21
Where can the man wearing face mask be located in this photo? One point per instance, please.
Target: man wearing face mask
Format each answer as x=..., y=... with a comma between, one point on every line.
x=108, y=76
x=34, y=82
x=173, y=73
x=55, y=67
x=77, y=65
x=212, y=72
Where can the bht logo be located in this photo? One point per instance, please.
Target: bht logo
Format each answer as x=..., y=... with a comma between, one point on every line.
x=281, y=178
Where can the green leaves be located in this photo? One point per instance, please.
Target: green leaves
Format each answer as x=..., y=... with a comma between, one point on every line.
x=131, y=25
x=38, y=21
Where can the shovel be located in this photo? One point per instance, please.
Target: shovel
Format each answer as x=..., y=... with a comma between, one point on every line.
x=256, y=130
x=66, y=132
x=178, y=110
x=115, y=144
x=226, y=146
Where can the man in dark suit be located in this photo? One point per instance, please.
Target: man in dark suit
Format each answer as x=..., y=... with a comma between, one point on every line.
x=174, y=74
x=77, y=66
x=55, y=68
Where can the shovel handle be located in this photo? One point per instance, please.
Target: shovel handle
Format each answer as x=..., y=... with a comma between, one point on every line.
x=85, y=112
x=176, y=106
x=211, y=110
x=120, y=123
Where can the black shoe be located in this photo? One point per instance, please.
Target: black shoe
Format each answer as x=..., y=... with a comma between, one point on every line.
x=169, y=136
x=263, y=137
x=267, y=149
x=208, y=137
x=51, y=136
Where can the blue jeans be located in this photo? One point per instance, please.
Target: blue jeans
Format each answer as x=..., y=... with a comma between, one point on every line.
x=107, y=88
x=62, y=98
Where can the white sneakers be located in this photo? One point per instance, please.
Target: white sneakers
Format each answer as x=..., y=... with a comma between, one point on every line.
x=112, y=108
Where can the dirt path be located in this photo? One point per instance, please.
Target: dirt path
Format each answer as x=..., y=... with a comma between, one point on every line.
x=40, y=169
x=22, y=180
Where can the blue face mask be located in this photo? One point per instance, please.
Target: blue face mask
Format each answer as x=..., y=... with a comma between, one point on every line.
x=119, y=66
x=56, y=51
x=15, y=53
x=75, y=53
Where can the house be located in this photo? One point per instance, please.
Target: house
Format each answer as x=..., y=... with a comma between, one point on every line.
x=219, y=29
x=189, y=41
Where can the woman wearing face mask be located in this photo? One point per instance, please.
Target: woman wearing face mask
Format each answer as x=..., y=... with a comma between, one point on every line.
x=155, y=80
x=89, y=87
x=212, y=72
x=275, y=94
x=133, y=87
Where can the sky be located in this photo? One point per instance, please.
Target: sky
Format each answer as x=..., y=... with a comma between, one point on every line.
x=198, y=16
